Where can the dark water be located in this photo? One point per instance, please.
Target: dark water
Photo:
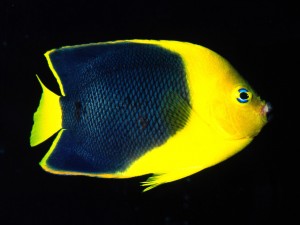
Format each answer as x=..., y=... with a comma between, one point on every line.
x=257, y=186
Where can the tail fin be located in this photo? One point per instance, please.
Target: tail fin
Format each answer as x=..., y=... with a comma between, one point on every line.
x=48, y=117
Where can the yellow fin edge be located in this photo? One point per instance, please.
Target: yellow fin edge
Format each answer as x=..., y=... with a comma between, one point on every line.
x=47, y=55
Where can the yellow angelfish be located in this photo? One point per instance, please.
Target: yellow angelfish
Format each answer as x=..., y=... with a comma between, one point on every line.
x=136, y=107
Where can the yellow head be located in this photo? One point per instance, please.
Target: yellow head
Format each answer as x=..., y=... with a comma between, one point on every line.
x=236, y=110
x=220, y=96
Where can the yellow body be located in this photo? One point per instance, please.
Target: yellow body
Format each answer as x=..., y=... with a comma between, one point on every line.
x=219, y=126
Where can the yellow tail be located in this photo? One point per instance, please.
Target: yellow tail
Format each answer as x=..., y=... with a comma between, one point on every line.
x=48, y=117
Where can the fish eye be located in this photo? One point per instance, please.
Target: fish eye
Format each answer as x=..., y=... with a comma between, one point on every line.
x=244, y=95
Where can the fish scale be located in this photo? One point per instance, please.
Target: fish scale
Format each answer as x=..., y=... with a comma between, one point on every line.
x=110, y=116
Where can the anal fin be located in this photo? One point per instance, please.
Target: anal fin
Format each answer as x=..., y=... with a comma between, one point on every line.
x=67, y=156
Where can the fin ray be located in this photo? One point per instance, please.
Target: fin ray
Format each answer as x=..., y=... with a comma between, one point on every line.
x=162, y=178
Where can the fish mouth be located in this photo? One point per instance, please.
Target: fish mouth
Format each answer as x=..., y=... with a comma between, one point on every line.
x=266, y=111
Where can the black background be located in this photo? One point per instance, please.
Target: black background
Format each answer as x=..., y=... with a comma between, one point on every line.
x=256, y=186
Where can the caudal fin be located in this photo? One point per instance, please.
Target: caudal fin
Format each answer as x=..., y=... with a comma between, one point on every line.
x=48, y=117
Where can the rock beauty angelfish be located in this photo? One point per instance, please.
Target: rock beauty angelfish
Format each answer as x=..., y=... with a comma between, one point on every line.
x=136, y=107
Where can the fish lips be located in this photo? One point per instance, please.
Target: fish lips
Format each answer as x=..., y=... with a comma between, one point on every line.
x=267, y=111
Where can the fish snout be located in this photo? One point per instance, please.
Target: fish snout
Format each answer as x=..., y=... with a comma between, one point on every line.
x=266, y=110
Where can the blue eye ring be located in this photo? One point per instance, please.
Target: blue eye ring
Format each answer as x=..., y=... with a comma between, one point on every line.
x=244, y=95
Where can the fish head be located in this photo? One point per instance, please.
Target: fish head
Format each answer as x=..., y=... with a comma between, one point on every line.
x=236, y=109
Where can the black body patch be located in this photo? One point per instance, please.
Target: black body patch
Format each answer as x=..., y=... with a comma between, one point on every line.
x=118, y=105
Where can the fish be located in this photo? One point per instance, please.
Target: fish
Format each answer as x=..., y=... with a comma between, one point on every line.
x=127, y=108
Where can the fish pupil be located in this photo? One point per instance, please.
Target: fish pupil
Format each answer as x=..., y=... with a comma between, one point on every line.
x=244, y=95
